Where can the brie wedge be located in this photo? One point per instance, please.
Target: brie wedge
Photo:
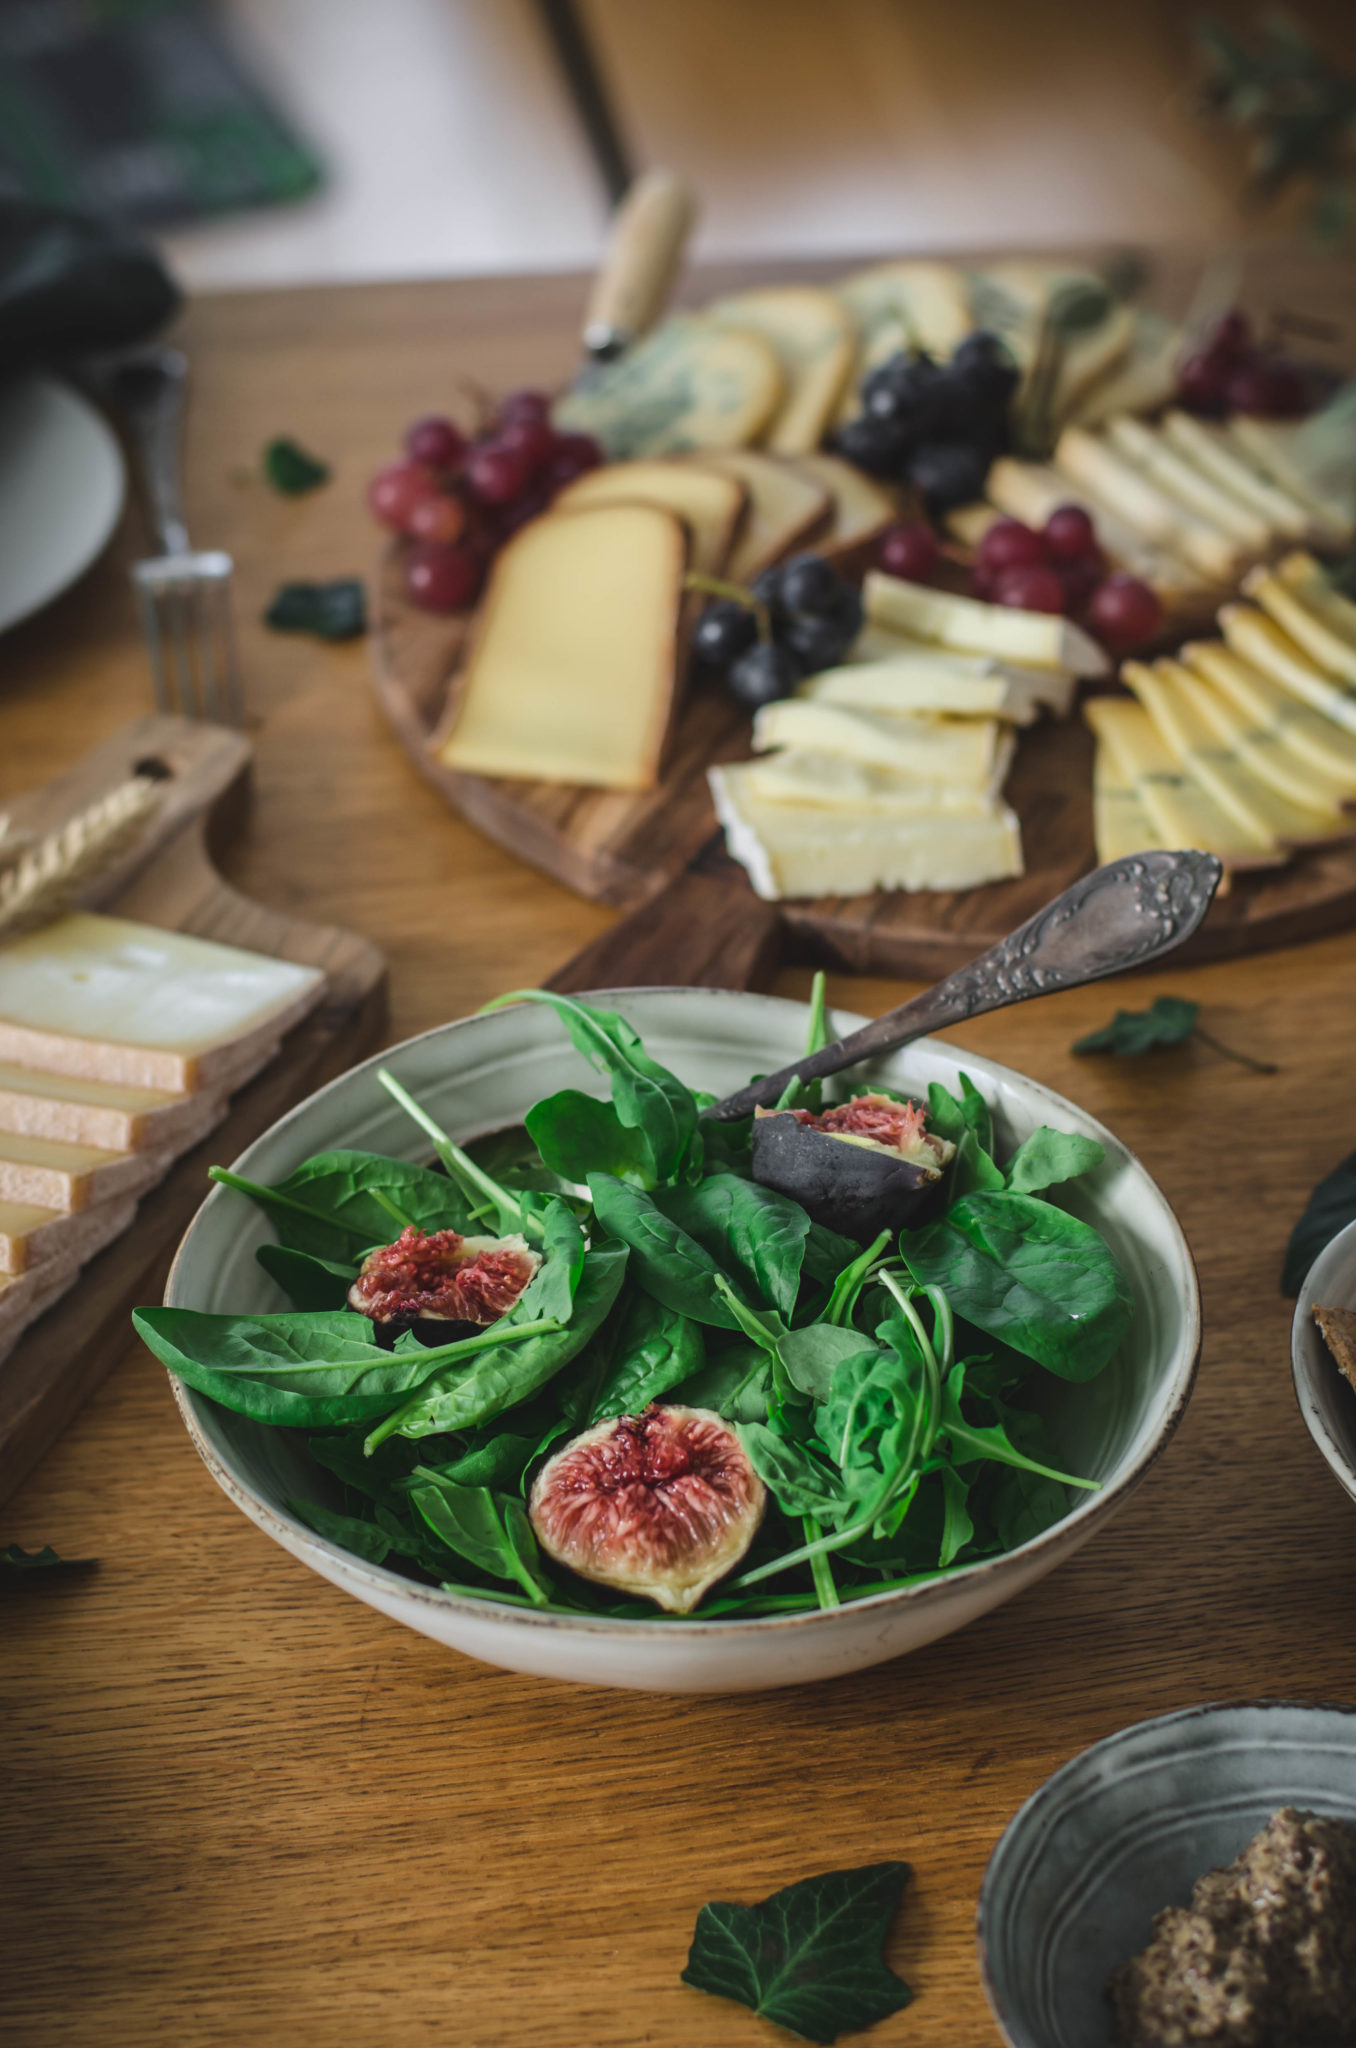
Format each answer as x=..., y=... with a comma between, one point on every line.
x=925, y=680
x=964, y=624
x=962, y=751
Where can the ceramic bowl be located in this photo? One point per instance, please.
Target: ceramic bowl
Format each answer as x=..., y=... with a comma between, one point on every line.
x=1327, y=1400
x=482, y=1074
x=1125, y=1830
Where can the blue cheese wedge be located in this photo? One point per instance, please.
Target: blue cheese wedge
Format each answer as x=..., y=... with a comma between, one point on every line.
x=1262, y=642
x=1260, y=743
x=810, y=850
x=967, y=626
x=1321, y=749
x=105, y=999
x=911, y=677
x=962, y=751
x=690, y=384
x=1304, y=604
x=812, y=337
x=1182, y=811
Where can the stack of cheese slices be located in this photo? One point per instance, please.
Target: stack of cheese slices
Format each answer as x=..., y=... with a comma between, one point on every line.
x=1244, y=746
x=1186, y=505
x=120, y=1045
x=576, y=664
x=887, y=773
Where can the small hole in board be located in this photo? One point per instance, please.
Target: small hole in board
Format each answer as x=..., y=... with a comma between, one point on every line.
x=153, y=768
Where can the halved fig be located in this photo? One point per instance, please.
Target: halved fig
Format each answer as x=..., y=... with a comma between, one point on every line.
x=660, y=1504
x=862, y=1167
x=441, y=1277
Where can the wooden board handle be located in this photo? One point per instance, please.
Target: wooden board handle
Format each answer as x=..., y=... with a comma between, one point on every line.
x=649, y=233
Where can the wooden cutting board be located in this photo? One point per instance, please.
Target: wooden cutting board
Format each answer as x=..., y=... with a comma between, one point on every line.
x=628, y=849
x=167, y=877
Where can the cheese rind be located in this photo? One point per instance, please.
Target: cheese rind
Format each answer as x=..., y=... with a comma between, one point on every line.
x=41, y=1104
x=688, y=385
x=31, y=1235
x=1040, y=639
x=964, y=752
x=107, y=999
x=709, y=502
x=50, y=1175
x=573, y=672
x=809, y=851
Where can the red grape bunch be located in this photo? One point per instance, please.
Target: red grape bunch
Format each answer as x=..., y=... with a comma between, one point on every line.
x=1229, y=373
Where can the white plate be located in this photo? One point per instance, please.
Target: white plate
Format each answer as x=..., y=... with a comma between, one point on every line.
x=62, y=483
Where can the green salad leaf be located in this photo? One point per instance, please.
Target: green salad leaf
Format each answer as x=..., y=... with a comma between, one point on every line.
x=810, y=1957
x=291, y=470
x=16, y=1564
x=331, y=611
x=1330, y=1208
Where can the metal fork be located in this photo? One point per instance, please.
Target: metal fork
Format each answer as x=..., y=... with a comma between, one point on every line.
x=183, y=595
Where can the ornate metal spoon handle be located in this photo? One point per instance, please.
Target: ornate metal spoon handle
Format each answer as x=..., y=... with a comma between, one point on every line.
x=1123, y=915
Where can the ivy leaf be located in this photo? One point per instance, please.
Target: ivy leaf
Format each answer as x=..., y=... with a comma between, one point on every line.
x=45, y=1562
x=1331, y=1206
x=291, y=470
x=1170, y=1020
x=810, y=1957
x=332, y=611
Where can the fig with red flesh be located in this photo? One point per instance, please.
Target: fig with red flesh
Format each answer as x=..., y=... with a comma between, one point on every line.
x=862, y=1167
x=441, y=1277
x=660, y=1504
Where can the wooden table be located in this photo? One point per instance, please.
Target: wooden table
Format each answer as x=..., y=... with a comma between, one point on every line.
x=236, y=1806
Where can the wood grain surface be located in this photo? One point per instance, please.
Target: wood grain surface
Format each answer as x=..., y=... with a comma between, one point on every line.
x=238, y=1808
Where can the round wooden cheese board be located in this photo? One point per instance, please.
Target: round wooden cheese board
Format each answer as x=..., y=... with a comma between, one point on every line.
x=626, y=849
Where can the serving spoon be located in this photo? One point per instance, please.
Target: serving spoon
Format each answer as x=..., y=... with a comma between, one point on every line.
x=1123, y=915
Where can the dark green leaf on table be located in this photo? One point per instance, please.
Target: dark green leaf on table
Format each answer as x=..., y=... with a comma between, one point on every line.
x=16, y=1563
x=811, y=1957
x=291, y=470
x=1330, y=1208
x=331, y=611
x=1169, y=1020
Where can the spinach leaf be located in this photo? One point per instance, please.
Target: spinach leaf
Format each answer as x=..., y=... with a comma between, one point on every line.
x=378, y=1477
x=973, y=1171
x=304, y=1370
x=291, y=470
x=1170, y=1020
x=951, y=1116
x=1025, y=1504
x=810, y=1355
x=653, y=1351
x=734, y=1385
x=332, y=611
x=1049, y=1156
x=551, y=1290
x=308, y=1282
x=669, y=1263
x=797, y=1480
x=827, y=1254
x=351, y=1532
x=1022, y=1270
x=1330, y=1208
x=647, y=1098
x=460, y=1398
x=511, y=1159
x=337, y=1204
x=811, y=1957
x=577, y=1135
x=499, y=1460
x=491, y=1532
x=753, y=1233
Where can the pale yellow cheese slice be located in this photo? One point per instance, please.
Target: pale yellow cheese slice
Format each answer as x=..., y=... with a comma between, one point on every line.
x=1260, y=744
x=833, y=781
x=813, y=339
x=1120, y=823
x=1031, y=491
x=811, y=850
x=964, y=624
x=1314, y=459
x=710, y=503
x=1144, y=378
x=1189, y=486
x=861, y=508
x=1261, y=641
x=1210, y=449
x=30, y=1234
x=102, y=1113
x=918, y=679
x=1167, y=693
x=961, y=751
x=1305, y=606
x=1092, y=462
x=690, y=384
x=1088, y=357
x=926, y=300
x=110, y=1000
x=51, y=1175
x=1183, y=813
x=1306, y=578
x=1321, y=748
x=573, y=671
x=786, y=510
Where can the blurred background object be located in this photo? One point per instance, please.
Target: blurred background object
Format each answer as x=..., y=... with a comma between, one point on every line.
x=421, y=137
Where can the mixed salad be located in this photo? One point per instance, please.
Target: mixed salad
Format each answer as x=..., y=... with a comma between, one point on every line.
x=595, y=1365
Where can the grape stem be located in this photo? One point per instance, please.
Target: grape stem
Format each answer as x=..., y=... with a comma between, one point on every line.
x=716, y=586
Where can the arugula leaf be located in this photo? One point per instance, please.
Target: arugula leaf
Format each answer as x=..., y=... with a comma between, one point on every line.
x=957, y=1527
x=289, y=468
x=44, y=1562
x=647, y=1098
x=969, y=1441
x=669, y=1263
x=1330, y=1208
x=490, y=1532
x=338, y=1204
x=810, y=1957
x=755, y=1234
x=1170, y=1020
x=653, y=1351
x=308, y=1282
x=1049, y=1156
x=332, y=611
x=1022, y=1270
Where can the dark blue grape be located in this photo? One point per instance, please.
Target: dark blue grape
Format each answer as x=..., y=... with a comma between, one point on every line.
x=763, y=674
x=948, y=473
x=873, y=445
x=807, y=584
x=822, y=641
x=722, y=633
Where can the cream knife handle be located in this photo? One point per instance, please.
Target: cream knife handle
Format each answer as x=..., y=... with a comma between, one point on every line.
x=649, y=232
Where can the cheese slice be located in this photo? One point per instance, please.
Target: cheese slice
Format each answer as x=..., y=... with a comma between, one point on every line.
x=1209, y=449
x=39, y=1104
x=1314, y=459
x=1167, y=692
x=1260, y=640
x=1181, y=811
x=690, y=384
x=961, y=751
x=1144, y=379
x=1260, y=745
x=927, y=301
x=812, y=337
x=50, y=1175
x=1120, y=823
x=1012, y=299
x=1309, y=582
x=815, y=850
x=833, y=781
x=1092, y=462
x=1088, y=357
x=925, y=680
x=785, y=510
x=30, y=1235
x=573, y=671
x=1031, y=491
x=1189, y=486
x=1305, y=606
x=710, y=504
x=1040, y=639
x=1323, y=750
x=109, y=1000
x=860, y=507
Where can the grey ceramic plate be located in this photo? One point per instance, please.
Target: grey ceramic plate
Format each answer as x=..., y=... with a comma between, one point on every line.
x=1126, y=1829
x=1326, y=1402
